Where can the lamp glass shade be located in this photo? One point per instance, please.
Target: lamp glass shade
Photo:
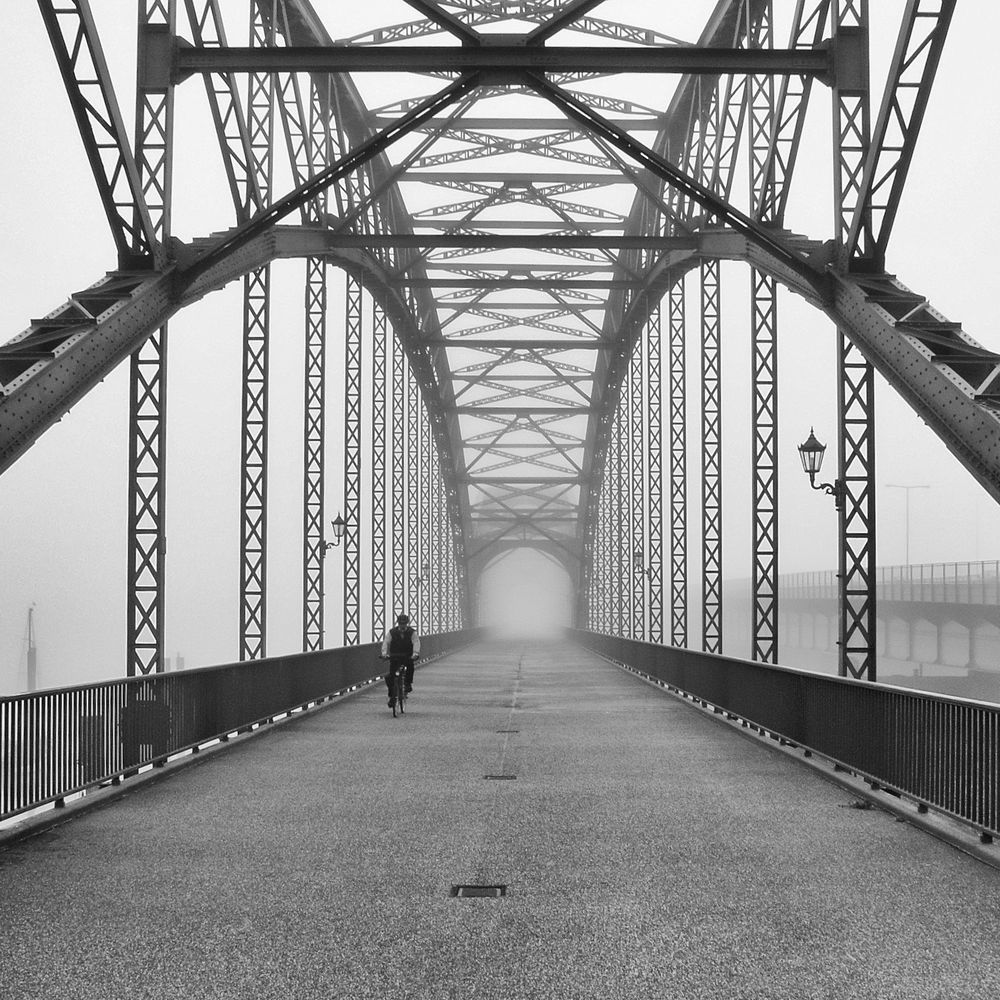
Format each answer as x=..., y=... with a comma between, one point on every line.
x=811, y=452
x=339, y=525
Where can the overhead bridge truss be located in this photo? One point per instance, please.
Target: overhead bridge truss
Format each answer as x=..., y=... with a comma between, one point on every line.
x=521, y=352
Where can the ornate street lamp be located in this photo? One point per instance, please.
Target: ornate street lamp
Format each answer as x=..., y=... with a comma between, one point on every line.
x=811, y=452
x=339, y=526
x=639, y=561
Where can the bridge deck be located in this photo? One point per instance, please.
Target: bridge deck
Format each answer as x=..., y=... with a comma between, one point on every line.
x=648, y=852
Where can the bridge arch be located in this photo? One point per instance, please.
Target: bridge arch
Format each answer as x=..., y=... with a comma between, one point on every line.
x=950, y=387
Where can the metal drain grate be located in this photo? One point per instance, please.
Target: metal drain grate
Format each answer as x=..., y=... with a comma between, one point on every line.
x=508, y=730
x=481, y=891
x=500, y=777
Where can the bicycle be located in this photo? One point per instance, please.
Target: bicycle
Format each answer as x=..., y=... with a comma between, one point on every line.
x=400, y=686
x=397, y=689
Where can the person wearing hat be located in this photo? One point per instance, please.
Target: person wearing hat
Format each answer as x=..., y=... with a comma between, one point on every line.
x=401, y=647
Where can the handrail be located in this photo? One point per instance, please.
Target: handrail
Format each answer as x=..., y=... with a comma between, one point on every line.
x=940, y=751
x=62, y=741
x=944, y=583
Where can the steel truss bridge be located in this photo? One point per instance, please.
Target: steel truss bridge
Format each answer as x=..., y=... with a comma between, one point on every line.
x=514, y=235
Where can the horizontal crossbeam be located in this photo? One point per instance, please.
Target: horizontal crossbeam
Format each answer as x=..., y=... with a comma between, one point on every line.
x=520, y=480
x=523, y=124
x=514, y=178
x=524, y=345
x=502, y=62
x=507, y=283
x=563, y=411
x=493, y=241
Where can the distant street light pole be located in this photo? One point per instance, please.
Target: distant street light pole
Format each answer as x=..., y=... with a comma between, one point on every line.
x=907, y=487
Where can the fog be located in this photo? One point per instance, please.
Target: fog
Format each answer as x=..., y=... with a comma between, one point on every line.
x=63, y=504
x=526, y=594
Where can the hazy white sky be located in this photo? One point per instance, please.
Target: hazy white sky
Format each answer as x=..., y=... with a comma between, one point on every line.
x=62, y=506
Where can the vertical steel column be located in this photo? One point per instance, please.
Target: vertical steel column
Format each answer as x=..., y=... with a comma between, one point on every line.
x=601, y=562
x=586, y=602
x=617, y=551
x=711, y=458
x=423, y=522
x=678, y=466
x=856, y=512
x=380, y=334
x=413, y=512
x=352, y=460
x=256, y=328
x=856, y=409
x=608, y=554
x=431, y=586
x=307, y=138
x=852, y=121
x=397, y=523
x=438, y=555
x=636, y=498
x=654, y=471
x=764, y=379
x=314, y=449
x=764, y=431
x=442, y=536
x=457, y=604
x=154, y=123
x=253, y=462
x=430, y=532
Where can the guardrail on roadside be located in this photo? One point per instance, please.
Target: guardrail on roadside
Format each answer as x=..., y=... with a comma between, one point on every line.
x=941, y=752
x=973, y=583
x=58, y=742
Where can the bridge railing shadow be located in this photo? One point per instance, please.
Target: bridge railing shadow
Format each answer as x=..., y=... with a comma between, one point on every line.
x=941, y=752
x=60, y=742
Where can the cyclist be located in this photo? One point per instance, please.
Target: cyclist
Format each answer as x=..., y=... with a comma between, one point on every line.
x=401, y=646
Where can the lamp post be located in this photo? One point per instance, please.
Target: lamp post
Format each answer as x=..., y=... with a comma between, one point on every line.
x=912, y=486
x=418, y=582
x=639, y=562
x=811, y=452
x=339, y=526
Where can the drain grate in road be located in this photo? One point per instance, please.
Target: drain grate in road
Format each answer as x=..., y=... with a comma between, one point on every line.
x=508, y=730
x=500, y=777
x=481, y=891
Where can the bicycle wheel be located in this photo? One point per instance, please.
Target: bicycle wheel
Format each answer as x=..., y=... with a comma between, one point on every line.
x=401, y=689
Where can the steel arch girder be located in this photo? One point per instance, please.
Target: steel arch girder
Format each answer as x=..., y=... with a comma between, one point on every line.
x=44, y=394
x=935, y=391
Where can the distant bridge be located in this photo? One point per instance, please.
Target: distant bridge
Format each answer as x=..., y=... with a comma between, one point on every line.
x=930, y=614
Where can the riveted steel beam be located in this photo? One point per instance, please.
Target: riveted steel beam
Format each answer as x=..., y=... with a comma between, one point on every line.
x=502, y=63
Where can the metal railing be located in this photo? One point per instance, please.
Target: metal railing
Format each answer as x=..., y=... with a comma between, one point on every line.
x=942, y=583
x=59, y=742
x=940, y=751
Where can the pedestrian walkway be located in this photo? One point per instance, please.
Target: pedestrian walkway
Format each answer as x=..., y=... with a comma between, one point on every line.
x=646, y=850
